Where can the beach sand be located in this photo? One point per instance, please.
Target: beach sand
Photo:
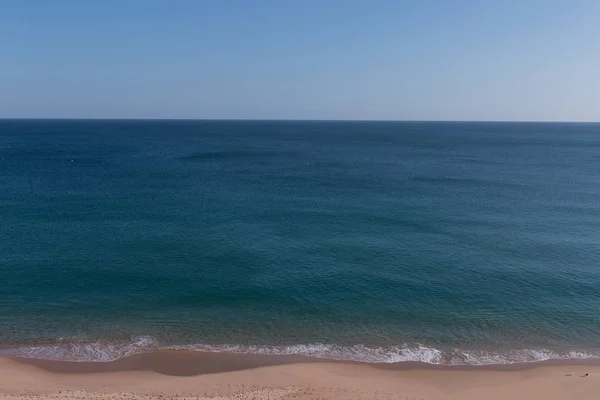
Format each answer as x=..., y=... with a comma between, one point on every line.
x=186, y=375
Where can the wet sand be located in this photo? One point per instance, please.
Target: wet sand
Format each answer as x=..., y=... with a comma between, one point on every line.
x=192, y=375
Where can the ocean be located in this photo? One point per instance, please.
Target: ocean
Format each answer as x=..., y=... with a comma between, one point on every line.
x=440, y=242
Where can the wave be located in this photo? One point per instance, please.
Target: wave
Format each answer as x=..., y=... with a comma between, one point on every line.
x=94, y=351
x=105, y=351
x=403, y=353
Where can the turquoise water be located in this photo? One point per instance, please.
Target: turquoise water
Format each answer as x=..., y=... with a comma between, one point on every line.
x=447, y=243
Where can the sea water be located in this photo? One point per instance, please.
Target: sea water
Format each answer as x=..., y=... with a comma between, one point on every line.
x=448, y=243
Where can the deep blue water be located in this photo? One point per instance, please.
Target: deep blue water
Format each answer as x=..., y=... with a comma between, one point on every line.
x=377, y=241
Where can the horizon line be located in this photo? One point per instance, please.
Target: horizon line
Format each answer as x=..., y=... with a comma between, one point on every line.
x=296, y=120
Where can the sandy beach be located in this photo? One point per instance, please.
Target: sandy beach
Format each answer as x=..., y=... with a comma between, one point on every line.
x=185, y=375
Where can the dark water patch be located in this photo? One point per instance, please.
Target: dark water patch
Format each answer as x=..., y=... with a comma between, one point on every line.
x=232, y=155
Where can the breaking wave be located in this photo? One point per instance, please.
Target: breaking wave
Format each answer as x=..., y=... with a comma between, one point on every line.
x=97, y=351
x=106, y=351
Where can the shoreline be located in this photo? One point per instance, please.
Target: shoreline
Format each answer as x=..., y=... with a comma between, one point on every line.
x=181, y=362
x=100, y=350
x=195, y=375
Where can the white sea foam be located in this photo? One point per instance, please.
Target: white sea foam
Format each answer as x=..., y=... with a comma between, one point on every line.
x=335, y=352
x=404, y=353
x=105, y=351
x=98, y=351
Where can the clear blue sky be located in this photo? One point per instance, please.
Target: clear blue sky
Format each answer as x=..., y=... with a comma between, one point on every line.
x=303, y=59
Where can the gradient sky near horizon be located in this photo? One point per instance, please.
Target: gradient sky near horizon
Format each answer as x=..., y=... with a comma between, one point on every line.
x=257, y=59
